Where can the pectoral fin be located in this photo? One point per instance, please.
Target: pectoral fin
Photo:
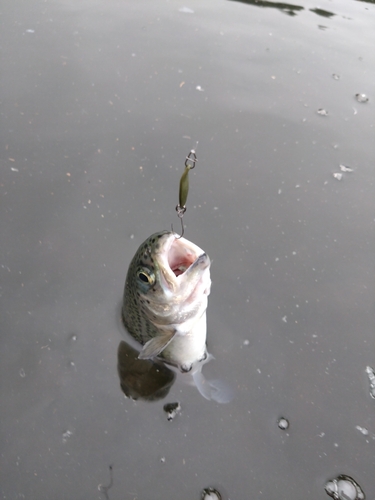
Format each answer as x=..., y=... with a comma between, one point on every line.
x=156, y=345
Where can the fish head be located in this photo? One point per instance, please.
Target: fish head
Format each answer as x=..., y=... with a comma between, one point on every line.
x=169, y=279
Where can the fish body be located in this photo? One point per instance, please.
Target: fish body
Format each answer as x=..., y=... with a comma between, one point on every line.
x=165, y=299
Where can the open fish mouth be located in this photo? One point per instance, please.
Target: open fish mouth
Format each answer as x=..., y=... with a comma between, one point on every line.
x=181, y=264
x=183, y=255
x=179, y=260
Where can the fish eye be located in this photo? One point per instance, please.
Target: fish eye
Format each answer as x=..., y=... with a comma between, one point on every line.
x=146, y=277
x=143, y=277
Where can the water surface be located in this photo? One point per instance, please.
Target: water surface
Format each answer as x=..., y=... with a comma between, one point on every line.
x=101, y=102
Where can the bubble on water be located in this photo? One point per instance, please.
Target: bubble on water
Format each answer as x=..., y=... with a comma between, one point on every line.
x=283, y=423
x=22, y=373
x=66, y=435
x=322, y=112
x=344, y=168
x=362, y=430
x=338, y=176
x=371, y=373
x=210, y=494
x=73, y=337
x=361, y=97
x=344, y=488
x=172, y=409
x=335, y=76
x=186, y=10
x=371, y=376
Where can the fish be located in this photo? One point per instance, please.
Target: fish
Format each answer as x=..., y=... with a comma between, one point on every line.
x=165, y=300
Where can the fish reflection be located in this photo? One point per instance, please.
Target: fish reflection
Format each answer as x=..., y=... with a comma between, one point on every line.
x=142, y=378
x=152, y=380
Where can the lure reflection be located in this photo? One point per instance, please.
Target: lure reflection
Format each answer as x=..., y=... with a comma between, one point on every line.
x=164, y=306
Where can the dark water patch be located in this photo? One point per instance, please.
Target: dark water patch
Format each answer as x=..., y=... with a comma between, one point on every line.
x=286, y=8
x=322, y=12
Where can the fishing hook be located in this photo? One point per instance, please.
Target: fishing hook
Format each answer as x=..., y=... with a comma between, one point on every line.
x=182, y=230
x=180, y=212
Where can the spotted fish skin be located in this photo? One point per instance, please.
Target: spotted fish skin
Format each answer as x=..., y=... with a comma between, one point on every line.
x=165, y=299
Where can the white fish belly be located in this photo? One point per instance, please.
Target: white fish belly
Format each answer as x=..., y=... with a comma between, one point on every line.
x=185, y=350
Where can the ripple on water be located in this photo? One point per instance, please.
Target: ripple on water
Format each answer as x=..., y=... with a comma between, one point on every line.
x=344, y=168
x=210, y=494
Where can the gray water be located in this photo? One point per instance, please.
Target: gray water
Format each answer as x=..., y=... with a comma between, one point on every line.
x=100, y=103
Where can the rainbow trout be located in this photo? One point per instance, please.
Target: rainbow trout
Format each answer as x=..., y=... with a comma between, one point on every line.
x=165, y=300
